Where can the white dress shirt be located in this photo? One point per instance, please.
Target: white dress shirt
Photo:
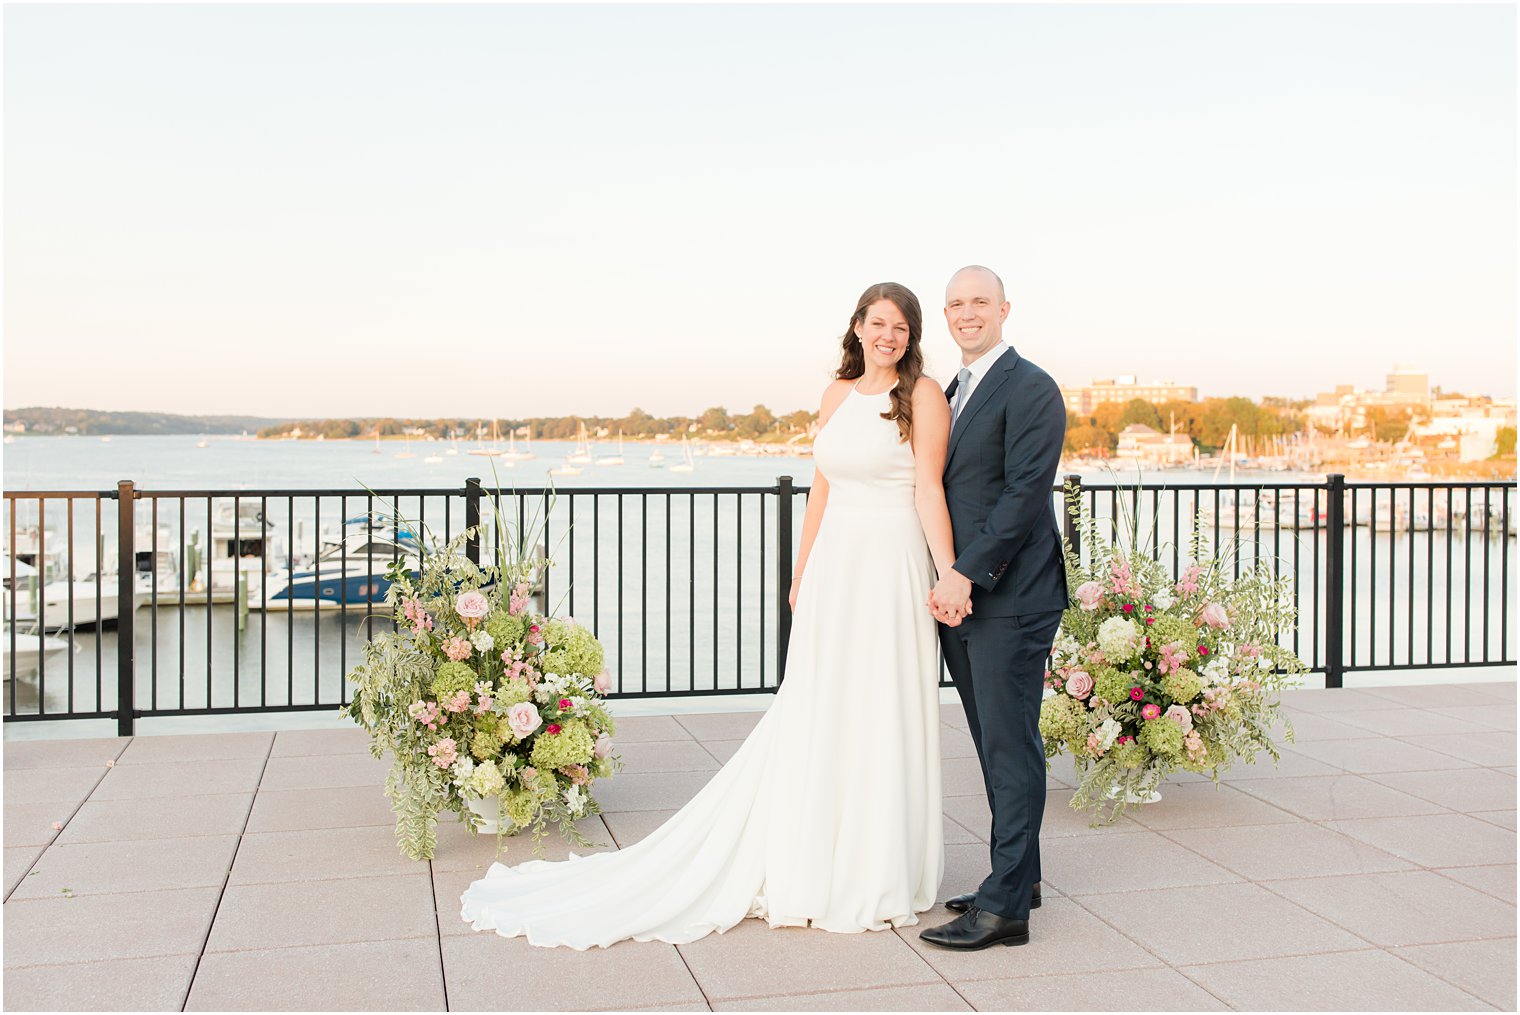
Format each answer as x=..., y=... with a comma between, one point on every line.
x=980, y=368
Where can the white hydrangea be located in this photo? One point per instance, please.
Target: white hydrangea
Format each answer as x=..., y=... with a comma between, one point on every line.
x=1163, y=599
x=462, y=769
x=1216, y=670
x=483, y=642
x=1119, y=638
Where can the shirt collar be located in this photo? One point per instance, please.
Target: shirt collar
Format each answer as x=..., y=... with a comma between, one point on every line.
x=983, y=365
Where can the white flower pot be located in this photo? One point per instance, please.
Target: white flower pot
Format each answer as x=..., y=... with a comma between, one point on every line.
x=1131, y=797
x=488, y=810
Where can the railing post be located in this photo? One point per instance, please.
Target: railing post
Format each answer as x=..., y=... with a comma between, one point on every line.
x=126, y=590
x=1072, y=492
x=784, y=498
x=1335, y=579
x=472, y=519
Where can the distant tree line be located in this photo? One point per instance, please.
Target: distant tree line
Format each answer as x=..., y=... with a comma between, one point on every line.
x=1207, y=422
x=53, y=420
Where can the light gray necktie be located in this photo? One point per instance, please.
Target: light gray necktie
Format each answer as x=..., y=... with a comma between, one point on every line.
x=962, y=385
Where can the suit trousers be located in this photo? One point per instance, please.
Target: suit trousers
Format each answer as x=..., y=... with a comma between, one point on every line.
x=998, y=665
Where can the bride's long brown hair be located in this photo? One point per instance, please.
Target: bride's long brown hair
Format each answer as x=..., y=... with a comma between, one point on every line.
x=910, y=368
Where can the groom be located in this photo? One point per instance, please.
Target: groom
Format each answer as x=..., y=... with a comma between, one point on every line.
x=1008, y=422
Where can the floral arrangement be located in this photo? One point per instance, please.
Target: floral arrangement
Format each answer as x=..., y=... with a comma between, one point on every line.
x=489, y=709
x=1151, y=673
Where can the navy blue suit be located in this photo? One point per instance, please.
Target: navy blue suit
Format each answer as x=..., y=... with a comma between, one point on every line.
x=1005, y=448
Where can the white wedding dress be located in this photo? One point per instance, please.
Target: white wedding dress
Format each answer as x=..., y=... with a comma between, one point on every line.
x=829, y=814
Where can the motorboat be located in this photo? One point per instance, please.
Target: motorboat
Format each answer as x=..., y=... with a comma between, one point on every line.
x=350, y=571
x=244, y=546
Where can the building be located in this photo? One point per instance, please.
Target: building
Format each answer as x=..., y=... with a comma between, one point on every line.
x=1145, y=444
x=1346, y=406
x=1084, y=401
x=1409, y=382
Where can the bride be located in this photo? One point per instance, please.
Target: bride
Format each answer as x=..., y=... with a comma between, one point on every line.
x=829, y=814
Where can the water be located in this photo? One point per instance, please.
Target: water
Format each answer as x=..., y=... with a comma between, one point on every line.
x=680, y=586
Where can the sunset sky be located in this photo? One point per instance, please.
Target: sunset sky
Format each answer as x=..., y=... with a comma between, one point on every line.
x=533, y=210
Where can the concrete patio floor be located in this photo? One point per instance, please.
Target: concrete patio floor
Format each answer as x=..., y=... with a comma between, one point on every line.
x=1374, y=869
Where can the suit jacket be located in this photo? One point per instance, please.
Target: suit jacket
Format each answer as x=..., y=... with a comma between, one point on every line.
x=1001, y=467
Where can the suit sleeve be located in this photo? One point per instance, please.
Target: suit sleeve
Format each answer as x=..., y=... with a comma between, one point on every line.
x=1032, y=440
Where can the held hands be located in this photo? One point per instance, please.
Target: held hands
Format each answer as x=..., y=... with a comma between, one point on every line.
x=950, y=602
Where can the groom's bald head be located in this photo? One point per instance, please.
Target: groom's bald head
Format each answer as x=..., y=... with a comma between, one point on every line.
x=985, y=273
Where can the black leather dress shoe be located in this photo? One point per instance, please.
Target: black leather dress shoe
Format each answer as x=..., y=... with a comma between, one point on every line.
x=977, y=929
x=961, y=903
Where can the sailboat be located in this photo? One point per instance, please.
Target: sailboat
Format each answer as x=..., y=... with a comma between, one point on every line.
x=686, y=464
x=582, y=454
x=406, y=448
x=377, y=442
x=512, y=451
x=453, y=448
x=616, y=459
x=494, y=450
x=657, y=459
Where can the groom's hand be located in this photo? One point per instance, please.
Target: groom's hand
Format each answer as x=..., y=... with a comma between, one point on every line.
x=951, y=599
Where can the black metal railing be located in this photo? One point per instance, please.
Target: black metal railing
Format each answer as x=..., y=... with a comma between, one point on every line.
x=196, y=595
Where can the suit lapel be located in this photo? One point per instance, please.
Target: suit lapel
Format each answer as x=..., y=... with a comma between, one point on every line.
x=984, y=393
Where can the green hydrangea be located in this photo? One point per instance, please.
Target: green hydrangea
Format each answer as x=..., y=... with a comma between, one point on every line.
x=1181, y=685
x=506, y=630
x=572, y=745
x=1060, y=720
x=486, y=781
x=453, y=677
x=1120, y=639
x=1111, y=685
x=1162, y=736
x=570, y=648
x=522, y=806
x=513, y=692
x=1131, y=755
x=601, y=768
x=490, y=734
x=1167, y=630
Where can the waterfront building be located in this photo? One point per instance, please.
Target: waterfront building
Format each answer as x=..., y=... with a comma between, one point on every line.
x=1083, y=401
x=1149, y=446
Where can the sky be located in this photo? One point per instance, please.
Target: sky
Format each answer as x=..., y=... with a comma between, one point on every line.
x=508, y=210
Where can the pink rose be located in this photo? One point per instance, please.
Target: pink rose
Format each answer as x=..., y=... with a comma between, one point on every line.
x=1088, y=594
x=1150, y=711
x=603, y=682
x=603, y=745
x=564, y=704
x=1215, y=616
x=1079, y=685
x=523, y=718
x=472, y=605
x=1180, y=715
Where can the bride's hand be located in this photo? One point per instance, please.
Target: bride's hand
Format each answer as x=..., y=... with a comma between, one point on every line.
x=791, y=597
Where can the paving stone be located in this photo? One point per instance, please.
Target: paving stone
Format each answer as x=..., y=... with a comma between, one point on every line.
x=720, y=725
x=628, y=827
x=158, y=818
x=1264, y=852
x=1348, y=981
x=1219, y=923
x=953, y=715
x=1497, y=880
x=1443, y=695
x=1060, y=820
x=1125, y=862
x=121, y=926
x=1328, y=701
x=458, y=850
x=1293, y=762
x=1435, y=840
x=354, y=771
x=663, y=791
x=304, y=743
x=486, y=972
x=19, y=860
x=1478, y=748
x=141, y=865
x=340, y=807
x=637, y=729
x=151, y=984
x=1402, y=907
x=52, y=754
x=722, y=750
x=448, y=886
x=665, y=756
x=956, y=743
x=963, y=777
x=1338, y=797
x=1464, y=789
x=1403, y=722
x=1064, y=937
x=57, y=786
x=972, y=814
x=956, y=834
x=925, y=997
x=137, y=782
x=1129, y=990
x=402, y=975
x=1483, y=968
x=752, y=960
x=324, y=912
x=196, y=747
x=320, y=854
x=1480, y=715
x=1310, y=726
x=32, y=824
x=1383, y=754
x=1205, y=805
x=1504, y=819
